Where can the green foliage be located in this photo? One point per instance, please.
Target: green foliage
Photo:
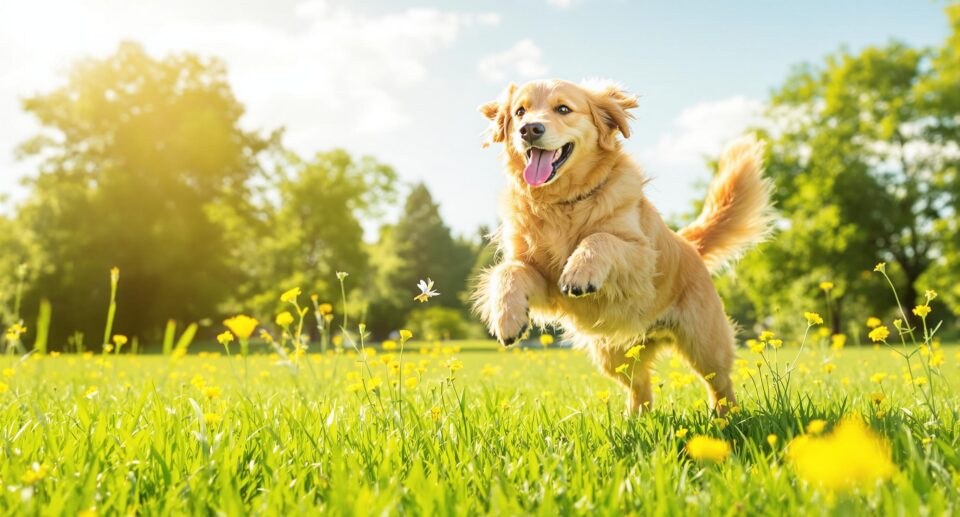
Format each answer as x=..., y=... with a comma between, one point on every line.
x=134, y=153
x=865, y=168
x=418, y=246
x=438, y=322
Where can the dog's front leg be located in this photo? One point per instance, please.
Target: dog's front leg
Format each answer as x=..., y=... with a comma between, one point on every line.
x=599, y=254
x=504, y=297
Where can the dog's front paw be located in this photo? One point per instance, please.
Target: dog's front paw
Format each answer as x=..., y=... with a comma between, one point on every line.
x=511, y=324
x=581, y=277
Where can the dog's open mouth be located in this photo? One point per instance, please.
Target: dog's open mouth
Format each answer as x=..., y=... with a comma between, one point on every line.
x=542, y=164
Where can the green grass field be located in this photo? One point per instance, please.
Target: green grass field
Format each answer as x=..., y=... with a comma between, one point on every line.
x=512, y=432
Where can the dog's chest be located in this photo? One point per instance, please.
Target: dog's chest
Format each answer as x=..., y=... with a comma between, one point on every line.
x=551, y=241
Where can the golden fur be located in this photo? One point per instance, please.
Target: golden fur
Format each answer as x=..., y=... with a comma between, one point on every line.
x=588, y=251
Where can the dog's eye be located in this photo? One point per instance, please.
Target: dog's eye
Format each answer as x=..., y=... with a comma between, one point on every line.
x=520, y=112
x=563, y=109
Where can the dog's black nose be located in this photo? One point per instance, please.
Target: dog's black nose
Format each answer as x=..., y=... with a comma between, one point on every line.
x=531, y=132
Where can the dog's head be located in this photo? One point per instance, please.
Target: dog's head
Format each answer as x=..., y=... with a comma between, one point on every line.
x=555, y=129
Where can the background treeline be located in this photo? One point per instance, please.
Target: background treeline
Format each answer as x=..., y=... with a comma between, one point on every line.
x=142, y=164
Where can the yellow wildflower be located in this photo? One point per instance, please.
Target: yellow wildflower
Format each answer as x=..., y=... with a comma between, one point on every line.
x=634, y=351
x=284, y=319
x=603, y=395
x=212, y=392
x=706, y=448
x=837, y=341
x=921, y=310
x=411, y=382
x=772, y=439
x=325, y=309
x=816, y=426
x=546, y=339
x=119, y=340
x=36, y=474
x=880, y=333
x=435, y=413
x=622, y=368
x=813, y=318
x=880, y=267
x=241, y=325
x=873, y=322
x=225, y=338
x=682, y=432
x=851, y=456
x=405, y=334
x=826, y=286
x=4, y=387
x=290, y=296
x=212, y=418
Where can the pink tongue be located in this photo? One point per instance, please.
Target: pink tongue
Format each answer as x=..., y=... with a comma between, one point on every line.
x=539, y=167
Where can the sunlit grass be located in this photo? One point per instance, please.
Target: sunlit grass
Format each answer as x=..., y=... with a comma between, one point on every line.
x=511, y=431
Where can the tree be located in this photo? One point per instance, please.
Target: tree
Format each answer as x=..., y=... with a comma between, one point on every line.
x=865, y=171
x=313, y=228
x=419, y=246
x=136, y=153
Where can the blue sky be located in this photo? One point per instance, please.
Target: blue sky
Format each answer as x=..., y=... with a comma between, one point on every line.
x=401, y=80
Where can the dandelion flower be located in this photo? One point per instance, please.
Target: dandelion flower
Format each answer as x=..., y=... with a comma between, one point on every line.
x=622, y=368
x=603, y=395
x=772, y=439
x=880, y=333
x=241, y=325
x=435, y=413
x=426, y=291
x=813, y=318
x=225, y=337
x=411, y=382
x=284, y=319
x=325, y=309
x=290, y=296
x=877, y=397
x=921, y=310
x=849, y=457
x=880, y=267
x=546, y=339
x=119, y=340
x=454, y=364
x=709, y=449
x=837, y=341
x=212, y=392
x=816, y=426
x=681, y=433
x=405, y=334
x=212, y=418
x=873, y=322
x=826, y=286
x=4, y=387
x=634, y=352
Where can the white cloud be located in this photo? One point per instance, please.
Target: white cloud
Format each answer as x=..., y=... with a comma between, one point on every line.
x=329, y=73
x=701, y=130
x=562, y=4
x=523, y=60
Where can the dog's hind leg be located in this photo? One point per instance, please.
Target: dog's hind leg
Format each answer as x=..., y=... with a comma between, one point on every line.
x=635, y=376
x=705, y=337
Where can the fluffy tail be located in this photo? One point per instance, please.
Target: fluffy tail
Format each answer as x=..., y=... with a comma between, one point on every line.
x=737, y=212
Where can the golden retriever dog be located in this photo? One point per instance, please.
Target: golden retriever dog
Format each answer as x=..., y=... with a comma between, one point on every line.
x=582, y=246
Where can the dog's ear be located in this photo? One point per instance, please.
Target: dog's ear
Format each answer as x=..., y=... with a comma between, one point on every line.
x=498, y=112
x=610, y=104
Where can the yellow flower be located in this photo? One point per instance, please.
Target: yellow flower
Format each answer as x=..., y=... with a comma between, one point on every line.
x=772, y=439
x=411, y=382
x=849, y=457
x=435, y=413
x=816, y=426
x=873, y=322
x=405, y=334
x=766, y=335
x=930, y=294
x=119, y=340
x=622, y=368
x=107, y=348
x=426, y=291
x=877, y=397
x=813, y=318
x=634, y=351
x=880, y=267
x=225, y=337
x=603, y=395
x=389, y=345
x=682, y=432
x=4, y=387
x=921, y=310
x=36, y=474
x=284, y=319
x=454, y=364
x=546, y=339
x=212, y=392
x=756, y=346
x=829, y=368
x=706, y=448
x=290, y=296
x=880, y=333
x=241, y=325
x=837, y=341
x=826, y=286
x=775, y=343
x=878, y=377
x=212, y=418
x=8, y=372
x=355, y=387
x=325, y=309
x=91, y=392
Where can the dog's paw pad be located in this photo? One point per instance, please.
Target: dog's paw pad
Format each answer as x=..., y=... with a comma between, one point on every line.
x=520, y=336
x=576, y=291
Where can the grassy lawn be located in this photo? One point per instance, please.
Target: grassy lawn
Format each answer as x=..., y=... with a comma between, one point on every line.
x=513, y=432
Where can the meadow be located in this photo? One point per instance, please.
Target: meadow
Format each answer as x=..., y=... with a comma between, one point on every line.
x=423, y=428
